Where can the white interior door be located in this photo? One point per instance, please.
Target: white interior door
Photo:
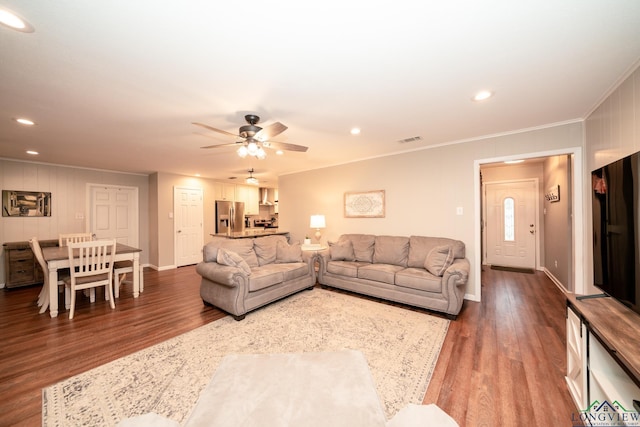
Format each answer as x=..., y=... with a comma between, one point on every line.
x=188, y=223
x=113, y=213
x=511, y=225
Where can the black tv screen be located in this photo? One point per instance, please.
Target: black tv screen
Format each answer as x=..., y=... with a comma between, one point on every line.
x=616, y=227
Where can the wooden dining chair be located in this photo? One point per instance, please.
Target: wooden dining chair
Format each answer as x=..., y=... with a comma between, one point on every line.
x=91, y=265
x=43, y=297
x=64, y=239
x=120, y=270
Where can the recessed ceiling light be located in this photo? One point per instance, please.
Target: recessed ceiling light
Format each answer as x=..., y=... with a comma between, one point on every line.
x=13, y=21
x=279, y=152
x=355, y=131
x=198, y=174
x=482, y=95
x=32, y=152
x=24, y=121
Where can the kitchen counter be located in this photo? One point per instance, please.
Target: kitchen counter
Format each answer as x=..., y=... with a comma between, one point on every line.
x=252, y=232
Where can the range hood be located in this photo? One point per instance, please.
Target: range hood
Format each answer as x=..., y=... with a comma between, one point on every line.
x=264, y=197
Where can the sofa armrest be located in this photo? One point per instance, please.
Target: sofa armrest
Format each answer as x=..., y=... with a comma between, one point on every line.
x=222, y=274
x=457, y=271
x=454, y=282
x=323, y=256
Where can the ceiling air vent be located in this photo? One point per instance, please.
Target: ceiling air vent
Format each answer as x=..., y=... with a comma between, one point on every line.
x=412, y=139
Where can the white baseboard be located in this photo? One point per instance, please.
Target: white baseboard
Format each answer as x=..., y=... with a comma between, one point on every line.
x=555, y=280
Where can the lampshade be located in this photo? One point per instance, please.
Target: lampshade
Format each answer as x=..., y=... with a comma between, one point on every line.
x=317, y=221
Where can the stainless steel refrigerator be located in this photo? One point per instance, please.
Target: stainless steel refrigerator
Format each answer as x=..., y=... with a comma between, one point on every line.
x=229, y=217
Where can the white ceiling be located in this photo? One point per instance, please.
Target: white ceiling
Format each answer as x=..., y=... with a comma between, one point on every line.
x=116, y=84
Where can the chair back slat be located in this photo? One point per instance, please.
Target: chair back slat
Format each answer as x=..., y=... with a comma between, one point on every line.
x=92, y=257
x=65, y=239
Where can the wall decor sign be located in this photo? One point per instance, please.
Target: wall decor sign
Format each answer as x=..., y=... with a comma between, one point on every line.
x=26, y=203
x=367, y=204
x=553, y=194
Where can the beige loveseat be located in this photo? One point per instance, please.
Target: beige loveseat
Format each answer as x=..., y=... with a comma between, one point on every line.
x=240, y=275
x=427, y=272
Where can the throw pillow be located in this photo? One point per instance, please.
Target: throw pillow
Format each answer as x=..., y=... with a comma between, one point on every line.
x=232, y=259
x=341, y=251
x=288, y=253
x=438, y=260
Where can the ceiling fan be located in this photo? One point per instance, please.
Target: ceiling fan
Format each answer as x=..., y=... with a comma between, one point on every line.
x=253, y=138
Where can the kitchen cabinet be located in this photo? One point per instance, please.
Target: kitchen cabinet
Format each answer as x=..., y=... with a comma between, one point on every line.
x=251, y=198
x=224, y=191
x=20, y=265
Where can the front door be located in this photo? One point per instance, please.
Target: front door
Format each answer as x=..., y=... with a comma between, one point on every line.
x=188, y=208
x=510, y=221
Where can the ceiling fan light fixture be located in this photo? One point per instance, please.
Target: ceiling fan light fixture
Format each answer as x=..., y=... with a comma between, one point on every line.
x=252, y=148
x=242, y=151
x=251, y=179
x=260, y=154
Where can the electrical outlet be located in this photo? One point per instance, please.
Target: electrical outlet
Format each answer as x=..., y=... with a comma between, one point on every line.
x=459, y=210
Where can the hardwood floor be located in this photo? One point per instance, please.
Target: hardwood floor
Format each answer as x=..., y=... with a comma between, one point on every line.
x=502, y=363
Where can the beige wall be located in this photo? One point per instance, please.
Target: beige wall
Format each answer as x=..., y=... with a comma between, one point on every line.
x=612, y=131
x=68, y=187
x=423, y=189
x=557, y=254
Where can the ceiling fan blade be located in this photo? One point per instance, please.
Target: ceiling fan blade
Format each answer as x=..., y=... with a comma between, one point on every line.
x=224, y=132
x=270, y=131
x=221, y=145
x=284, y=146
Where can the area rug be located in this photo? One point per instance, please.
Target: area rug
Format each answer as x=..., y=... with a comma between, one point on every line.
x=401, y=347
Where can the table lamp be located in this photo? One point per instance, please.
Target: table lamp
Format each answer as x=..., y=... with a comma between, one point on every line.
x=317, y=222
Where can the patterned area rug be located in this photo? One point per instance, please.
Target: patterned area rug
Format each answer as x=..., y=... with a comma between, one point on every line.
x=400, y=345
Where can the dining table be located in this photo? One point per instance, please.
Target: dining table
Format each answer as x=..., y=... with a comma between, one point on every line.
x=57, y=257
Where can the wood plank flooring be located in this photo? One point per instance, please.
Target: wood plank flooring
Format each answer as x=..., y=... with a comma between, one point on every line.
x=502, y=363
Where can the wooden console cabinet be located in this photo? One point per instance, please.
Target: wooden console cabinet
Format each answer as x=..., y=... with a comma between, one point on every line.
x=20, y=265
x=603, y=353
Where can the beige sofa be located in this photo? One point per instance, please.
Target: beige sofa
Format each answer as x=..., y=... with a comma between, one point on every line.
x=240, y=275
x=427, y=272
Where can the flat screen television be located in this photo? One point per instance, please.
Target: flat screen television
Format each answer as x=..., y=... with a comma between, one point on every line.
x=616, y=230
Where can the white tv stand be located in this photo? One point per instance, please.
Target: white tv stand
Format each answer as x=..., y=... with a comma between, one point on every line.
x=603, y=356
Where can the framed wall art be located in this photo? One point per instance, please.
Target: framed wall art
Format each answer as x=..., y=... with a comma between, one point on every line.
x=26, y=203
x=364, y=204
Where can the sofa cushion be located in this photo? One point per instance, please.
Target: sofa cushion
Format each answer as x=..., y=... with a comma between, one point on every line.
x=293, y=270
x=265, y=248
x=391, y=250
x=232, y=259
x=265, y=276
x=210, y=250
x=384, y=273
x=288, y=253
x=341, y=251
x=439, y=259
x=420, y=246
x=362, y=245
x=344, y=268
x=244, y=248
x=420, y=279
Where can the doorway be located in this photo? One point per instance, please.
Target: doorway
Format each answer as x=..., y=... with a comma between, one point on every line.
x=576, y=232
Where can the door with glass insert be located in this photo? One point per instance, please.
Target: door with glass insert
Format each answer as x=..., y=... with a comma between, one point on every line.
x=510, y=225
